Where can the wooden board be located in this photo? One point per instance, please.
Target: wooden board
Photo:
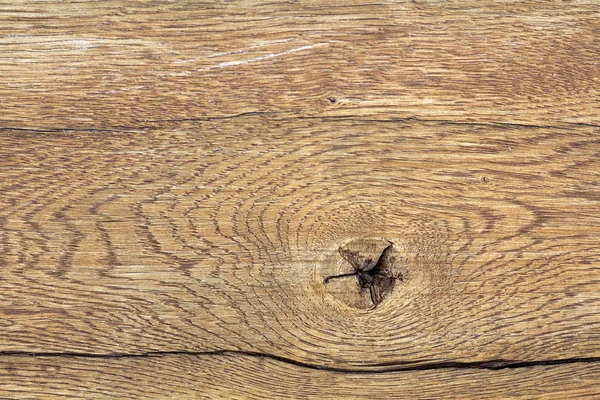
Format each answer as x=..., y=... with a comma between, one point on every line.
x=242, y=377
x=218, y=235
x=369, y=197
x=81, y=64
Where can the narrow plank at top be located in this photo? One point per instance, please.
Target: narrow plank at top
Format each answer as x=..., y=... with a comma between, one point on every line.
x=91, y=65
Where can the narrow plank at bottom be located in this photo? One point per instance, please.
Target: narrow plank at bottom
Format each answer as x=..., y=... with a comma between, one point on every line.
x=250, y=377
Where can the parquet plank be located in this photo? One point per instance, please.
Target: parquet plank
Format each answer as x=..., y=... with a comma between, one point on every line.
x=237, y=377
x=219, y=235
x=85, y=64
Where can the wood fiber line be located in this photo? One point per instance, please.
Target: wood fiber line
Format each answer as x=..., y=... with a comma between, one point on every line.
x=242, y=377
x=84, y=64
x=217, y=235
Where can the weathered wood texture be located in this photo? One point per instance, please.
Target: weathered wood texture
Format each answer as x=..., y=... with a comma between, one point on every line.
x=213, y=235
x=179, y=177
x=86, y=64
x=240, y=377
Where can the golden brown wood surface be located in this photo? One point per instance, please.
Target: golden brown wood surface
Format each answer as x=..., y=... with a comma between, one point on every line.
x=217, y=235
x=241, y=377
x=86, y=64
x=379, y=199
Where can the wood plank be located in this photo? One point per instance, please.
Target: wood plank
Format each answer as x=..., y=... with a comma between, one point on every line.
x=219, y=235
x=241, y=377
x=87, y=64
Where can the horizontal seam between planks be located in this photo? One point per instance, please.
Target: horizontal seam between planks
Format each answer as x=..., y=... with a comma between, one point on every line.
x=71, y=130
x=291, y=117
x=493, y=365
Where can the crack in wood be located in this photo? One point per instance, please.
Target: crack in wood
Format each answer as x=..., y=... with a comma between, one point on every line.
x=423, y=365
x=375, y=274
x=290, y=116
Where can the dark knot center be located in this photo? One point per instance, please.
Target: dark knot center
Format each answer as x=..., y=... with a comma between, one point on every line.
x=374, y=267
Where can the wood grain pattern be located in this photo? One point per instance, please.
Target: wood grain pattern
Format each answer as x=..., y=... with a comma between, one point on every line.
x=83, y=65
x=296, y=199
x=236, y=377
x=213, y=235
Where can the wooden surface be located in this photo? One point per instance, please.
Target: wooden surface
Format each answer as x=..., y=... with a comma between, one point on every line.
x=89, y=65
x=243, y=377
x=180, y=181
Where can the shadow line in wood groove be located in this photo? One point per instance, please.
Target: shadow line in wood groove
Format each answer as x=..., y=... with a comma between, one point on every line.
x=284, y=116
x=493, y=365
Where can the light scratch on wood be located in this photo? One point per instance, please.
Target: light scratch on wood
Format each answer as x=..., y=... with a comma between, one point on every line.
x=261, y=58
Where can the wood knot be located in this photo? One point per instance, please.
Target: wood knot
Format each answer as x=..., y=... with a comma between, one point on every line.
x=363, y=272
